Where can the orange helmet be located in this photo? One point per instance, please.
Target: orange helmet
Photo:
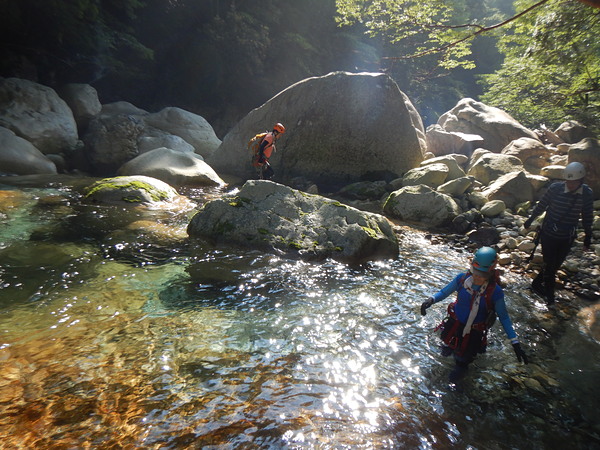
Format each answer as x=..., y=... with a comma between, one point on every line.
x=279, y=128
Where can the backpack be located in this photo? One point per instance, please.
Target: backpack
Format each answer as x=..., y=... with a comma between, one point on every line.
x=254, y=146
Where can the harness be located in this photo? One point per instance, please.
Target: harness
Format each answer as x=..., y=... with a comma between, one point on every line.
x=452, y=328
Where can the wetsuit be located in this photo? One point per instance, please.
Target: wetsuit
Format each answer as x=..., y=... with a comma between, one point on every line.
x=462, y=310
x=563, y=209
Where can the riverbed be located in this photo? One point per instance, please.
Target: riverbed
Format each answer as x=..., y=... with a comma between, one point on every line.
x=116, y=333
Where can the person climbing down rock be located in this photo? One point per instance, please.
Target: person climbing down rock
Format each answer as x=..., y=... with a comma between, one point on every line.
x=265, y=149
x=479, y=300
x=564, y=203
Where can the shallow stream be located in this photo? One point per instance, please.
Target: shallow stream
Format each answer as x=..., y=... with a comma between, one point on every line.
x=112, y=337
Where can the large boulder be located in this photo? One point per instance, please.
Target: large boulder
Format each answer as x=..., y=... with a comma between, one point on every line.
x=452, y=161
x=191, y=127
x=512, y=188
x=133, y=190
x=111, y=140
x=341, y=128
x=20, y=157
x=152, y=142
x=83, y=101
x=572, y=131
x=489, y=166
x=173, y=167
x=277, y=218
x=432, y=175
x=441, y=142
x=533, y=154
x=423, y=205
x=121, y=132
x=496, y=127
x=587, y=152
x=37, y=114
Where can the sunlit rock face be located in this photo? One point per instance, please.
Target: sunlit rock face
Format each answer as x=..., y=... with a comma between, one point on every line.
x=173, y=167
x=270, y=216
x=341, y=128
x=496, y=127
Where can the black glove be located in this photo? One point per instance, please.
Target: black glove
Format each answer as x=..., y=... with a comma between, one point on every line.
x=521, y=356
x=528, y=223
x=426, y=305
x=261, y=159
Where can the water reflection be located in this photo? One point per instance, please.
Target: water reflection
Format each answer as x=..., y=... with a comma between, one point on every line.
x=118, y=339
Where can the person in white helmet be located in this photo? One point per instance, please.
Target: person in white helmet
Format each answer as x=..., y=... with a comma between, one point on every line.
x=564, y=202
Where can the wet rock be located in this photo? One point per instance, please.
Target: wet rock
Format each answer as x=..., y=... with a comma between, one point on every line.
x=267, y=215
x=132, y=190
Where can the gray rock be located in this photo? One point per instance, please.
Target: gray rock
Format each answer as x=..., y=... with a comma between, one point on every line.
x=20, y=157
x=173, y=167
x=513, y=188
x=587, y=152
x=421, y=204
x=111, y=141
x=432, y=175
x=134, y=190
x=147, y=143
x=37, y=114
x=273, y=217
x=533, y=154
x=341, y=128
x=192, y=128
x=441, y=142
x=457, y=187
x=489, y=166
x=496, y=127
x=83, y=101
x=452, y=162
x=572, y=131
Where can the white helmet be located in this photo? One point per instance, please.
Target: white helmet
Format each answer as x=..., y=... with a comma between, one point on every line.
x=574, y=171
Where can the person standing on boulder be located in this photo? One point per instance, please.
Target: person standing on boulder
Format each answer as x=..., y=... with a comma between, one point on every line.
x=479, y=299
x=564, y=203
x=267, y=147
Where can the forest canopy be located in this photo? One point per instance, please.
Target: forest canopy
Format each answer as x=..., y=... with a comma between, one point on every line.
x=538, y=60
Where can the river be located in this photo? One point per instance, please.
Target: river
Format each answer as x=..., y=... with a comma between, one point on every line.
x=115, y=338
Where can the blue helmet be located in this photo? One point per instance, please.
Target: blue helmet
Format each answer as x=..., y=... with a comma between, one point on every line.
x=484, y=259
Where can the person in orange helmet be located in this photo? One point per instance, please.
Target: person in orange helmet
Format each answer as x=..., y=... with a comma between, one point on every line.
x=266, y=149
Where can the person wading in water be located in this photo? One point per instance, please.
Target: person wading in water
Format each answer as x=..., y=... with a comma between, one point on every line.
x=479, y=300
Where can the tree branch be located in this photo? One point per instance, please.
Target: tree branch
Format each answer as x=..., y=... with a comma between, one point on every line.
x=470, y=36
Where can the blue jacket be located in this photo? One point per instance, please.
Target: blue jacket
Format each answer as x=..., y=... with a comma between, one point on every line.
x=463, y=304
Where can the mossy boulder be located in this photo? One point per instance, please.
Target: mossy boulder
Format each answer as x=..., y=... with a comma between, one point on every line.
x=132, y=190
x=272, y=217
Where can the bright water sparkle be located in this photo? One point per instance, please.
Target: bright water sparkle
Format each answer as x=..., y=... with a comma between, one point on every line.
x=118, y=338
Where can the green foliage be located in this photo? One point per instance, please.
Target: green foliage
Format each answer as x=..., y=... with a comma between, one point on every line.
x=551, y=69
x=437, y=27
x=430, y=48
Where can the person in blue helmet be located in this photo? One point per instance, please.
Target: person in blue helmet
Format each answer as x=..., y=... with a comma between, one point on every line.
x=479, y=300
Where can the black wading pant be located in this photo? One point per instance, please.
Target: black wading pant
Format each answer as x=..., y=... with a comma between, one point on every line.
x=555, y=252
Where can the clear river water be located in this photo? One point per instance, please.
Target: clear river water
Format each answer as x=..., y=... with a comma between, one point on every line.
x=118, y=332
